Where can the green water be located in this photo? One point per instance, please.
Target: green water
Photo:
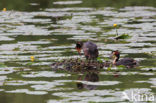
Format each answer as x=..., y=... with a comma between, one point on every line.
x=48, y=30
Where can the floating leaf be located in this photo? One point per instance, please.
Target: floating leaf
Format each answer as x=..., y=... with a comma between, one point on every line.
x=123, y=36
x=18, y=69
x=16, y=49
x=6, y=70
x=30, y=63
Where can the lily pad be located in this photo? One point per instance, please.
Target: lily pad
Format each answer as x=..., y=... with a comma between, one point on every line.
x=123, y=36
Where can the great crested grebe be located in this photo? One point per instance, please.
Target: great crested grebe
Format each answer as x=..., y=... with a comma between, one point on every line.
x=128, y=62
x=89, y=48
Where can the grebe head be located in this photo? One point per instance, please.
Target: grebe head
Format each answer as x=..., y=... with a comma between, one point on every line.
x=117, y=56
x=78, y=46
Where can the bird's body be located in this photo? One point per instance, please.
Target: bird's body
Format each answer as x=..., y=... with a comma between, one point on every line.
x=127, y=62
x=89, y=48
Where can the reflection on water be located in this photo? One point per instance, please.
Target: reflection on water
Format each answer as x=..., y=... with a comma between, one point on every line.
x=91, y=77
x=48, y=30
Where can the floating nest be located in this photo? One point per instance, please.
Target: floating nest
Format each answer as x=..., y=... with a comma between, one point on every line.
x=78, y=65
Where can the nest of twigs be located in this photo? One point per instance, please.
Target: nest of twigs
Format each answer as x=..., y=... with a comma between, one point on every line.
x=78, y=65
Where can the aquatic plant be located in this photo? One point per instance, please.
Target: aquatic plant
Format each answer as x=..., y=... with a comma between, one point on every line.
x=4, y=9
x=32, y=58
x=122, y=36
x=115, y=25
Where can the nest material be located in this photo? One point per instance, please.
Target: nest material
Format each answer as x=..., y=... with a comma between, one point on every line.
x=77, y=65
